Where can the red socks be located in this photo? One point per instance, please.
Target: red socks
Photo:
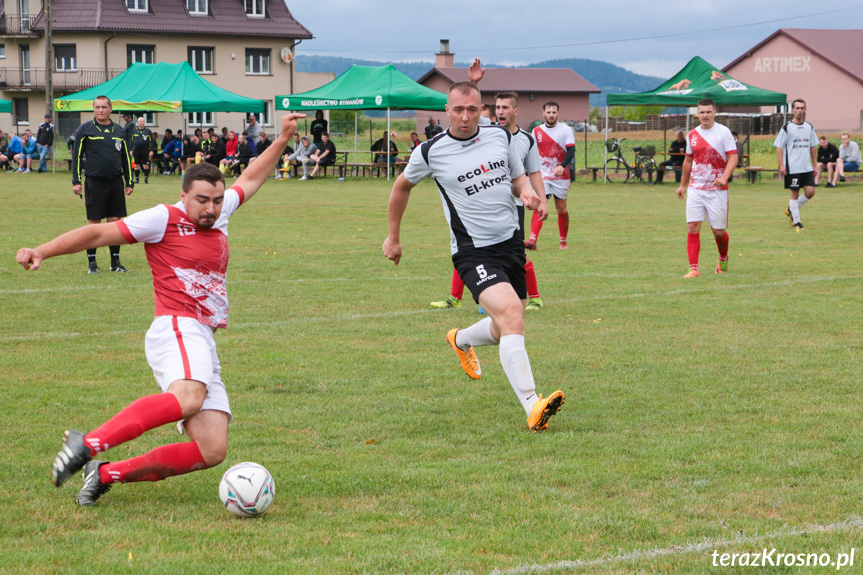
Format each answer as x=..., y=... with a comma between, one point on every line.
x=457, y=288
x=158, y=464
x=532, y=287
x=563, y=224
x=722, y=244
x=139, y=416
x=535, y=226
x=693, y=246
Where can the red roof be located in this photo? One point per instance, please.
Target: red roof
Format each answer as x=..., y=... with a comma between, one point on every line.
x=521, y=80
x=842, y=48
x=225, y=18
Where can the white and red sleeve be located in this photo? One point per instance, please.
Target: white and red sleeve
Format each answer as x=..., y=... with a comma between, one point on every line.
x=147, y=226
x=234, y=198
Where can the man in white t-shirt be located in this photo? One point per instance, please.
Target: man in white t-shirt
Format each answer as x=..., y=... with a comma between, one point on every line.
x=187, y=249
x=711, y=155
x=796, y=145
x=477, y=171
x=556, y=144
x=849, y=157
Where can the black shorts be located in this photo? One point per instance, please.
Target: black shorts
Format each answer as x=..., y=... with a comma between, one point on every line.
x=797, y=181
x=328, y=161
x=481, y=268
x=141, y=157
x=104, y=198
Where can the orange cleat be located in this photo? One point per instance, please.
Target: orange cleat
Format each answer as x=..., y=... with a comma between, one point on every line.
x=530, y=244
x=468, y=359
x=692, y=274
x=543, y=409
x=564, y=245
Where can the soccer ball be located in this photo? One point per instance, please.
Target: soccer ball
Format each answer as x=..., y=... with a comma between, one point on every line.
x=247, y=489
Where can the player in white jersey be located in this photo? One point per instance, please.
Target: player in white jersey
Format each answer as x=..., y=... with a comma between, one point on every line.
x=506, y=111
x=711, y=156
x=556, y=143
x=796, y=145
x=187, y=250
x=477, y=173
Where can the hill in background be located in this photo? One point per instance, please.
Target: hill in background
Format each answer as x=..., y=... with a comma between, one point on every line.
x=609, y=78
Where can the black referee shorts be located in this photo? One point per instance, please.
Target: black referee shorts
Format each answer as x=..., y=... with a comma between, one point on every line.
x=104, y=198
x=801, y=180
x=141, y=157
x=481, y=268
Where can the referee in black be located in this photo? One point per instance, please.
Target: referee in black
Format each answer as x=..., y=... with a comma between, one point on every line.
x=108, y=172
x=140, y=141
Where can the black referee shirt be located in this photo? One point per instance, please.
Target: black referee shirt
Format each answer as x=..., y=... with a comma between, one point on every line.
x=106, y=151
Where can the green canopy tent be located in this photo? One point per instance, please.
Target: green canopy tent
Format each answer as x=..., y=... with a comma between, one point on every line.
x=161, y=87
x=5, y=107
x=698, y=79
x=367, y=88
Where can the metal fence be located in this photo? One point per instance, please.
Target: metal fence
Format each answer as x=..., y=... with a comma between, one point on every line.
x=26, y=79
x=18, y=25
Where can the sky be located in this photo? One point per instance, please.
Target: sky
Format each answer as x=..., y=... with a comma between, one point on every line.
x=654, y=37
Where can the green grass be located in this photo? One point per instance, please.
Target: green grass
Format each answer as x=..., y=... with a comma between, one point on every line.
x=720, y=413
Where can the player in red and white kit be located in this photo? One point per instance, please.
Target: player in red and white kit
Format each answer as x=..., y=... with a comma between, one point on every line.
x=711, y=156
x=187, y=249
x=556, y=144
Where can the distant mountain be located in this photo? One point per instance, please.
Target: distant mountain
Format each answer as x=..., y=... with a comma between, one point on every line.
x=609, y=78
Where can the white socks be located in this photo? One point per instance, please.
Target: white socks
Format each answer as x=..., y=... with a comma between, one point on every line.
x=802, y=200
x=794, y=208
x=516, y=365
x=477, y=335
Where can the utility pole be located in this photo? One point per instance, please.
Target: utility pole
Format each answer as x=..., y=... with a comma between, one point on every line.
x=49, y=61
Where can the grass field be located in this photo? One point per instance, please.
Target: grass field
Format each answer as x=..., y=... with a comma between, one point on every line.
x=715, y=414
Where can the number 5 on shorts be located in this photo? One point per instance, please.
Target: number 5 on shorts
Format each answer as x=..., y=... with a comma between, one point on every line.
x=481, y=271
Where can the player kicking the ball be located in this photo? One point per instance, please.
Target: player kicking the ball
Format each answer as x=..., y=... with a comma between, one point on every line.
x=711, y=155
x=187, y=250
x=477, y=172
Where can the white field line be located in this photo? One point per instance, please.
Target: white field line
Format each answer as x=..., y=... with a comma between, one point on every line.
x=686, y=548
x=236, y=326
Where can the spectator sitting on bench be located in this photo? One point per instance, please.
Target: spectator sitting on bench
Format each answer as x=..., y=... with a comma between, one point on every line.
x=245, y=154
x=171, y=155
x=677, y=152
x=281, y=172
x=4, y=146
x=213, y=150
x=849, y=157
x=381, y=146
x=828, y=154
x=28, y=152
x=324, y=156
x=230, y=153
x=301, y=156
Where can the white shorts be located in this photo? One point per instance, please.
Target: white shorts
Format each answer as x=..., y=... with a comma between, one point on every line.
x=182, y=348
x=557, y=188
x=712, y=204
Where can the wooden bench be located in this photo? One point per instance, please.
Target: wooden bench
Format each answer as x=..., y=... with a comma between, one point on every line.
x=753, y=173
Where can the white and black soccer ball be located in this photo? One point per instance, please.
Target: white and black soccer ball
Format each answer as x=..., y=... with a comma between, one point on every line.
x=247, y=489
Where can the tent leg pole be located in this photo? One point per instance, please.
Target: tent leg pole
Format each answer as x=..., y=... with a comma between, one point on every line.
x=389, y=135
x=356, y=115
x=604, y=173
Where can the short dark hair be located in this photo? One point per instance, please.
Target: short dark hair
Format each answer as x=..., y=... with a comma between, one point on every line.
x=550, y=103
x=103, y=97
x=801, y=100
x=463, y=88
x=507, y=96
x=733, y=133
x=203, y=171
x=707, y=102
x=327, y=134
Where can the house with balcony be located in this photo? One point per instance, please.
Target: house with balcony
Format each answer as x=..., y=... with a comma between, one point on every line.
x=245, y=46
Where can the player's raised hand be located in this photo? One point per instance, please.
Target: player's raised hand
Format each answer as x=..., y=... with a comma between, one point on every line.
x=29, y=258
x=289, y=124
x=392, y=250
x=475, y=72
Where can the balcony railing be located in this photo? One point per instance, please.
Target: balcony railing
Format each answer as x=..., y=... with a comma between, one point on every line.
x=64, y=81
x=18, y=25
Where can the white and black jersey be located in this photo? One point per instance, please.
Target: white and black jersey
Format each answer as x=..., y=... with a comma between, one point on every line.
x=797, y=140
x=474, y=177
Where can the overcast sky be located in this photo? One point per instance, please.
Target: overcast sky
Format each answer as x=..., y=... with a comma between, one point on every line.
x=654, y=37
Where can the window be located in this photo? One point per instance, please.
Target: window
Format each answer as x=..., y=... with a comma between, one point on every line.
x=201, y=119
x=21, y=108
x=258, y=61
x=264, y=117
x=136, y=5
x=149, y=117
x=145, y=54
x=64, y=58
x=255, y=8
x=198, y=7
x=2, y=50
x=201, y=59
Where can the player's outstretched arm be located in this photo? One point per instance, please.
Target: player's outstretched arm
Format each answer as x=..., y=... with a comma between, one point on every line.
x=539, y=189
x=257, y=172
x=398, y=204
x=89, y=236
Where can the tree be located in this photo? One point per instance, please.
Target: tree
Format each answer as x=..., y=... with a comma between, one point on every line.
x=635, y=113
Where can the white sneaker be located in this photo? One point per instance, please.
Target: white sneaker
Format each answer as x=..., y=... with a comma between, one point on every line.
x=304, y=178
